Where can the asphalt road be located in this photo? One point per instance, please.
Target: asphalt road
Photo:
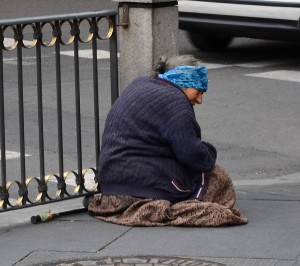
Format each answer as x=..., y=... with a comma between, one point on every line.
x=30, y=8
x=250, y=112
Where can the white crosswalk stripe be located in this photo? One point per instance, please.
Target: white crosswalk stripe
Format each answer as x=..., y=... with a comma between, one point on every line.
x=26, y=60
x=215, y=66
x=88, y=54
x=12, y=155
x=286, y=75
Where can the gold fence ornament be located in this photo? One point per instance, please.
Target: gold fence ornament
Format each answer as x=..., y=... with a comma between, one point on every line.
x=20, y=198
x=15, y=43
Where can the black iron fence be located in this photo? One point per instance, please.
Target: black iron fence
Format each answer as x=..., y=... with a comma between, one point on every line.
x=45, y=33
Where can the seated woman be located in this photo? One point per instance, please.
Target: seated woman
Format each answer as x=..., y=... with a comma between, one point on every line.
x=155, y=169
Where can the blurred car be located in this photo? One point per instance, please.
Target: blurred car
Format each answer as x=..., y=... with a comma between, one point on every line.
x=211, y=25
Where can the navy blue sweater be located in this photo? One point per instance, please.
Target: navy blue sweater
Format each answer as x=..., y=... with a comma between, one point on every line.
x=151, y=145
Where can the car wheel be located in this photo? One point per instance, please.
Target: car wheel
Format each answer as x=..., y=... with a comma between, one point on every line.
x=209, y=42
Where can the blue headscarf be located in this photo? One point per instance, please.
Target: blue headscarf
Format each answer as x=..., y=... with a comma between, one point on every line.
x=187, y=77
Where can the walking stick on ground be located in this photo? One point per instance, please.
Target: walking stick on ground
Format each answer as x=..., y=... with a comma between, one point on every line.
x=47, y=216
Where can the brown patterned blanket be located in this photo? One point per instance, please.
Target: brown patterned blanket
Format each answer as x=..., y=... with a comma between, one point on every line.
x=216, y=208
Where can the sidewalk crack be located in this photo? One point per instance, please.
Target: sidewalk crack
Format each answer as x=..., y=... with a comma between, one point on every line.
x=22, y=259
x=114, y=240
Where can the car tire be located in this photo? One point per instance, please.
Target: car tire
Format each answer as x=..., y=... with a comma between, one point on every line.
x=209, y=43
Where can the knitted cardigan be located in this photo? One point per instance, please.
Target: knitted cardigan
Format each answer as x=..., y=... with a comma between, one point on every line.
x=151, y=145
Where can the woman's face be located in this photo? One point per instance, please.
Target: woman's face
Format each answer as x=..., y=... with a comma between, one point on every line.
x=194, y=95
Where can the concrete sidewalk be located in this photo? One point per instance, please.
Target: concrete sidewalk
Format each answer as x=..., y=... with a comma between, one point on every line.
x=272, y=236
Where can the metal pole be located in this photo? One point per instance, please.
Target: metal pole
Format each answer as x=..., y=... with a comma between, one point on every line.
x=96, y=94
x=59, y=107
x=114, y=62
x=2, y=123
x=77, y=101
x=40, y=107
x=19, y=37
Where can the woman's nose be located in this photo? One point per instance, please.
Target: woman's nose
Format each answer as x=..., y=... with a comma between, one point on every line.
x=199, y=99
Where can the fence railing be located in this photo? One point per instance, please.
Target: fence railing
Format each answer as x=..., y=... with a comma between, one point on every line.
x=44, y=33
